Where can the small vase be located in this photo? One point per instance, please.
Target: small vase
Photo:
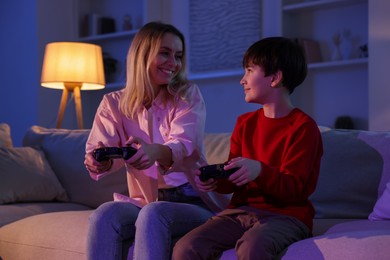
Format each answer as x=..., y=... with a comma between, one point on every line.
x=336, y=55
x=346, y=49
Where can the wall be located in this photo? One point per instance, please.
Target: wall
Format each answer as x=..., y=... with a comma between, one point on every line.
x=379, y=60
x=49, y=99
x=18, y=66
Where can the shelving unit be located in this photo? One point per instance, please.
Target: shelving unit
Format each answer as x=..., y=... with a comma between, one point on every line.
x=115, y=44
x=341, y=63
x=109, y=36
x=317, y=4
x=334, y=87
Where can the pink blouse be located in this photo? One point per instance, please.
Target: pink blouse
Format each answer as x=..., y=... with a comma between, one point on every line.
x=179, y=126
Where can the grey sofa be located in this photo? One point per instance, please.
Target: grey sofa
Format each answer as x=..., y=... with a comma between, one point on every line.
x=46, y=195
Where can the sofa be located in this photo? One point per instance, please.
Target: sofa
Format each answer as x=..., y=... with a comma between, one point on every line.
x=46, y=195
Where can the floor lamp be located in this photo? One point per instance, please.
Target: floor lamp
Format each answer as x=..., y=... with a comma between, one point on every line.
x=72, y=67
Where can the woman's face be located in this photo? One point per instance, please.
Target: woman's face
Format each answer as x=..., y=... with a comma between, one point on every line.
x=168, y=61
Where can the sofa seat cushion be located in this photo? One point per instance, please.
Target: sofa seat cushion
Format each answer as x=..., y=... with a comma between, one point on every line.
x=13, y=212
x=354, y=240
x=329, y=226
x=58, y=235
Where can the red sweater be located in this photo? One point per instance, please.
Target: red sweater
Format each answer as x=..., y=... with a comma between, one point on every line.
x=290, y=150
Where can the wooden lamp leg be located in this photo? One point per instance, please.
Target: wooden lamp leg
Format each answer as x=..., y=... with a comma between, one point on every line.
x=61, y=110
x=79, y=111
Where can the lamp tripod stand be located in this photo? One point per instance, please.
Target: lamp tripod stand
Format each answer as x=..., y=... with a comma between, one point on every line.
x=75, y=89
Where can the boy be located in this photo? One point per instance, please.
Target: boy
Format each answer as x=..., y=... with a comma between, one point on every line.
x=278, y=150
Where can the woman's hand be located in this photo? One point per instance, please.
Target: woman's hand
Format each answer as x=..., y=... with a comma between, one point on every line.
x=204, y=186
x=148, y=154
x=94, y=166
x=248, y=170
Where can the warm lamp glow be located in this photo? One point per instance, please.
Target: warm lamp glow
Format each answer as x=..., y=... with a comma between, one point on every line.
x=72, y=66
x=73, y=62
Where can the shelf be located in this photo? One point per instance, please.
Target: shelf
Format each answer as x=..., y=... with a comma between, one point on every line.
x=340, y=63
x=109, y=36
x=217, y=74
x=319, y=4
x=240, y=72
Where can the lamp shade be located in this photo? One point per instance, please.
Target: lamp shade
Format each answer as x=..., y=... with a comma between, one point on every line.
x=73, y=63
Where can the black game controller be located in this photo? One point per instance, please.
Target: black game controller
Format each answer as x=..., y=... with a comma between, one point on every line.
x=107, y=153
x=215, y=171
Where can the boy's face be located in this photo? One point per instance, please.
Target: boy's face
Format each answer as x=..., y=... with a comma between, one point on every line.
x=257, y=87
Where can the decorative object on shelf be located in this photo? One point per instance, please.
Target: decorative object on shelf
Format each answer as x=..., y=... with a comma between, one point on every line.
x=127, y=24
x=346, y=47
x=72, y=66
x=95, y=24
x=107, y=25
x=363, y=51
x=344, y=122
x=311, y=49
x=336, y=39
x=109, y=67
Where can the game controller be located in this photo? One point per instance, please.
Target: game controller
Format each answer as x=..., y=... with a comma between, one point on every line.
x=107, y=153
x=215, y=171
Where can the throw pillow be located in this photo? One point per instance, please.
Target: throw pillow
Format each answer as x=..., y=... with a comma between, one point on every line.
x=382, y=206
x=217, y=147
x=380, y=141
x=65, y=152
x=27, y=176
x=5, y=136
x=351, y=169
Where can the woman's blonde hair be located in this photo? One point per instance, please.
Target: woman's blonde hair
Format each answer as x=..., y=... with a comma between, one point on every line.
x=143, y=50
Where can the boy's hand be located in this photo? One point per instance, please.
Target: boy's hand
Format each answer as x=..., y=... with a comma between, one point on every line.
x=249, y=170
x=204, y=186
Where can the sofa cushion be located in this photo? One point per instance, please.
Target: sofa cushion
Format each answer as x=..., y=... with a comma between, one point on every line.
x=27, y=176
x=352, y=240
x=380, y=141
x=5, y=135
x=347, y=246
x=217, y=147
x=16, y=211
x=65, y=151
x=381, y=209
x=359, y=225
x=351, y=170
x=58, y=235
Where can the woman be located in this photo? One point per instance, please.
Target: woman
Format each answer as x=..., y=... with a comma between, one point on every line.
x=162, y=115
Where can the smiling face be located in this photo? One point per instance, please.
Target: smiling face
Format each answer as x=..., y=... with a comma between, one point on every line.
x=168, y=61
x=257, y=86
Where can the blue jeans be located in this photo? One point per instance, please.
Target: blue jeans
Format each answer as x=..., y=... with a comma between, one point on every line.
x=159, y=224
